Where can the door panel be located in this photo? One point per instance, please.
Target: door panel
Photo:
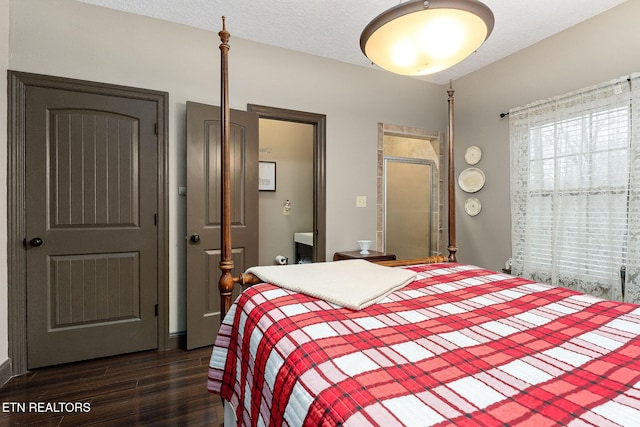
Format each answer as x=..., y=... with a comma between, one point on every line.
x=93, y=289
x=204, y=211
x=91, y=185
x=99, y=164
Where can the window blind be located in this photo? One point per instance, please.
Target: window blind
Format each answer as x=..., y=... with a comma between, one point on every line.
x=572, y=162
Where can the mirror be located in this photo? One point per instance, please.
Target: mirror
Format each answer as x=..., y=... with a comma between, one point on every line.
x=410, y=191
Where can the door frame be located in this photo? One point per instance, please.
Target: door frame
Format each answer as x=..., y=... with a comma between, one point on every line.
x=18, y=82
x=319, y=123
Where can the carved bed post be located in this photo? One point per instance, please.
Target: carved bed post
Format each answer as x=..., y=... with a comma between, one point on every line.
x=453, y=248
x=225, y=284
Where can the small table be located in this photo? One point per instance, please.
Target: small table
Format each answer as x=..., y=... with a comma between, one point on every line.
x=371, y=256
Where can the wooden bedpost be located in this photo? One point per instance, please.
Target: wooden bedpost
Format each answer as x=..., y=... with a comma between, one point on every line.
x=225, y=284
x=227, y=281
x=453, y=248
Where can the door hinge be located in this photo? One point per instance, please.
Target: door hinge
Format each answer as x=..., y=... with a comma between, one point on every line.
x=155, y=219
x=156, y=310
x=155, y=128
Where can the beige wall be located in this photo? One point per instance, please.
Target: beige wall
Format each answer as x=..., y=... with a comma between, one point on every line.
x=595, y=51
x=290, y=145
x=72, y=39
x=4, y=60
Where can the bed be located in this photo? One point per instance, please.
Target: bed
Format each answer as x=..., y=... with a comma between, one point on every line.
x=454, y=344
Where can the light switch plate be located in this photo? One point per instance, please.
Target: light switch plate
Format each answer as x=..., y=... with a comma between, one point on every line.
x=361, y=201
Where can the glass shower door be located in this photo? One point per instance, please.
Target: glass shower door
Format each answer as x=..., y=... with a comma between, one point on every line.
x=409, y=207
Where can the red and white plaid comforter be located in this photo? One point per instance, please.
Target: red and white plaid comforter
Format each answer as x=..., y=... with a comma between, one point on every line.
x=460, y=345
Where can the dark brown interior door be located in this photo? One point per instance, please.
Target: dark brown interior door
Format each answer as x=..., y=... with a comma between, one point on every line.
x=91, y=204
x=203, y=211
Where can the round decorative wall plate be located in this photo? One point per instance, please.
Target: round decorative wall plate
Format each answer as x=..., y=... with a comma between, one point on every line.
x=471, y=180
x=472, y=206
x=473, y=155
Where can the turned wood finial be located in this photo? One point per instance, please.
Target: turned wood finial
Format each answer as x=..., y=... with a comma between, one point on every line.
x=224, y=34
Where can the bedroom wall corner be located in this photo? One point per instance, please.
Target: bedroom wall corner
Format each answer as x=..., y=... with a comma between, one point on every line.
x=594, y=51
x=4, y=65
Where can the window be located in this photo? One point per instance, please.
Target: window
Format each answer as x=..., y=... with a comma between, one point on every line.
x=573, y=159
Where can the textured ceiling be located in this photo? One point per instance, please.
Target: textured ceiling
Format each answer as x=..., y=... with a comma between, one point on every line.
x=331, y=28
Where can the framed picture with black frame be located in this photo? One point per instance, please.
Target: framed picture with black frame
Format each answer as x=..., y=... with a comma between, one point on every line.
x=267, y=176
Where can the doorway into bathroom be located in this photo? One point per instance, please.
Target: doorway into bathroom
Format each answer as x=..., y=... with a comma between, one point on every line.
x=291, y=197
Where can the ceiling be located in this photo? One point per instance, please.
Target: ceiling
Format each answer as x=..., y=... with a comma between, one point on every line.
x=331, y=28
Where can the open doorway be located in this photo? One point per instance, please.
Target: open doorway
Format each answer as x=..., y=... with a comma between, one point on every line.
x=286, y=192
x=317, y=133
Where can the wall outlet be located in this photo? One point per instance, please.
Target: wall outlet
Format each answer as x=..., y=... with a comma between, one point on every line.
x=361, y=201
x=285, y=211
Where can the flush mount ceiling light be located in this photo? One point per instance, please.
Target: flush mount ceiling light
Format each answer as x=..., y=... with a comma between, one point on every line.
x=423, y=37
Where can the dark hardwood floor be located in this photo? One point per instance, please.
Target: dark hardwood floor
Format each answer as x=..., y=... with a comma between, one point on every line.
x=148, y=388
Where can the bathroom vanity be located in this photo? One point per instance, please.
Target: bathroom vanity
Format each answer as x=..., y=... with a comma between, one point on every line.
x=303, y=247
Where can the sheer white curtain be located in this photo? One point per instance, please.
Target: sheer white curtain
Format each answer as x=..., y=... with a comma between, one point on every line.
x=575, y=189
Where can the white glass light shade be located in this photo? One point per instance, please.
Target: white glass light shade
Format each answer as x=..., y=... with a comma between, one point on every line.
x=423, y=37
